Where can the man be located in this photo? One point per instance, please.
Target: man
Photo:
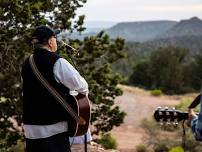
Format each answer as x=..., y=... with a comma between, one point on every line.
x=194, y=121
x=45, y=120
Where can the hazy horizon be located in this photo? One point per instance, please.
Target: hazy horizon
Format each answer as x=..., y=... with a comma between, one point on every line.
x=140, y=10
x=107, y=24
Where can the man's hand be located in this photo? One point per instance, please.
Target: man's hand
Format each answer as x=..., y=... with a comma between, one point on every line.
x=191, y=115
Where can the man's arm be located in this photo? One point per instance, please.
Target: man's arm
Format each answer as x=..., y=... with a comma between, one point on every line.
x=66, y=74
x=196, y=125
x=194, y=121
x=191, y=116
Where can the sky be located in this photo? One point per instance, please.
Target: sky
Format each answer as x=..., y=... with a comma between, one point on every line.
x=140, y=10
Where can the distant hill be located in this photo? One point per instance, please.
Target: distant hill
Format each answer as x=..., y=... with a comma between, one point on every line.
x=139, y=31
x=190, y=27
x=193, y=43
x=152, y=30
x=130, y=31
x=185, y=34
x=152, y=34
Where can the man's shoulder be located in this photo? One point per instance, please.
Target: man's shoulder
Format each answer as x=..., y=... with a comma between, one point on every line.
x=62, y=61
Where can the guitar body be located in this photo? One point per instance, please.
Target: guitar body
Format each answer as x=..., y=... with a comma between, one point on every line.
x=81, y=105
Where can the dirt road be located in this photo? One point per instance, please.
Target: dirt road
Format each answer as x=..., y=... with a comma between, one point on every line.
x=138, y=104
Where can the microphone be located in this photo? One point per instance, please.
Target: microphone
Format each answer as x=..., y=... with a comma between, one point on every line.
x=68, y=46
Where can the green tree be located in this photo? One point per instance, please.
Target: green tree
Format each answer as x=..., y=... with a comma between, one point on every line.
x=166, y=69
x=95, y=62
x=196, y=71
x=17, y=19
x=141, y=74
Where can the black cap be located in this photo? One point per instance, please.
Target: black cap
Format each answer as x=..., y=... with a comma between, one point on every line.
x=42, y=33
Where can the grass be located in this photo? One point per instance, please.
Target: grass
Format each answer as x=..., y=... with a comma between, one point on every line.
x=185, y=102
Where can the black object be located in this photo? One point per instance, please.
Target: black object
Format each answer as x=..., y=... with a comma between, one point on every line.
x=196, y=101
x=43, y=33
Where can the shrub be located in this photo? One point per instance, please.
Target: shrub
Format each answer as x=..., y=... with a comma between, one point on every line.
x=156, y=92
x=161, y=147
x=177, y=149
x=141, y=75
x=107, y=141
x=19, y=147
x=141, y=148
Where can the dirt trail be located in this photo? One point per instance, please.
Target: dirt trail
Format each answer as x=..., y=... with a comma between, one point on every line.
x=138, y=104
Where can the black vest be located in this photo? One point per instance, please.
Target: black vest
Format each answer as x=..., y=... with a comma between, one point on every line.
x=39, y=106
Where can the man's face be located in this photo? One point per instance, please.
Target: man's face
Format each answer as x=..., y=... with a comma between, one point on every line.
x=52, y=42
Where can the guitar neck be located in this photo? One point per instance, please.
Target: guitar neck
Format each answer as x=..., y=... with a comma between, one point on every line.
x=183, y=116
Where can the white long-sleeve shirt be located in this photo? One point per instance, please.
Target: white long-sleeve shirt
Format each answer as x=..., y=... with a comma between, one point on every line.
x=66, y=74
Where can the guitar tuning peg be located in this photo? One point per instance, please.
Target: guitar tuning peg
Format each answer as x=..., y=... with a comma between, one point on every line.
x=166, y=108
x=160, y=113
x=161, y=122
x=159, y=107
x=175, y=113
x=168, y=122
x=175, y=122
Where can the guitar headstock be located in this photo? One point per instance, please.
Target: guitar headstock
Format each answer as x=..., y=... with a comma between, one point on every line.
x=169, y=115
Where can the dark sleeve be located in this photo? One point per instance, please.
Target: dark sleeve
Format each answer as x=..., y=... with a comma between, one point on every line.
x=195, y=102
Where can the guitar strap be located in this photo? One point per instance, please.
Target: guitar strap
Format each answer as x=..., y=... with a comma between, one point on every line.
x=48, y=86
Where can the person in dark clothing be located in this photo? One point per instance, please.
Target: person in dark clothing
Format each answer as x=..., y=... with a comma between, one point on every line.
x=44, y=119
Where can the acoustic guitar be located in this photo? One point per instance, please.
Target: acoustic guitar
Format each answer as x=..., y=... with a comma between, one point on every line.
x=81, y=106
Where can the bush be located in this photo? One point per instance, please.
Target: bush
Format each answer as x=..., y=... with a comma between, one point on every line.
x=20, y=147
x=141, y=75
x=156, y=92
x=177, y=149
x=161, y=147
x=141, y=148
x=108, y=142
